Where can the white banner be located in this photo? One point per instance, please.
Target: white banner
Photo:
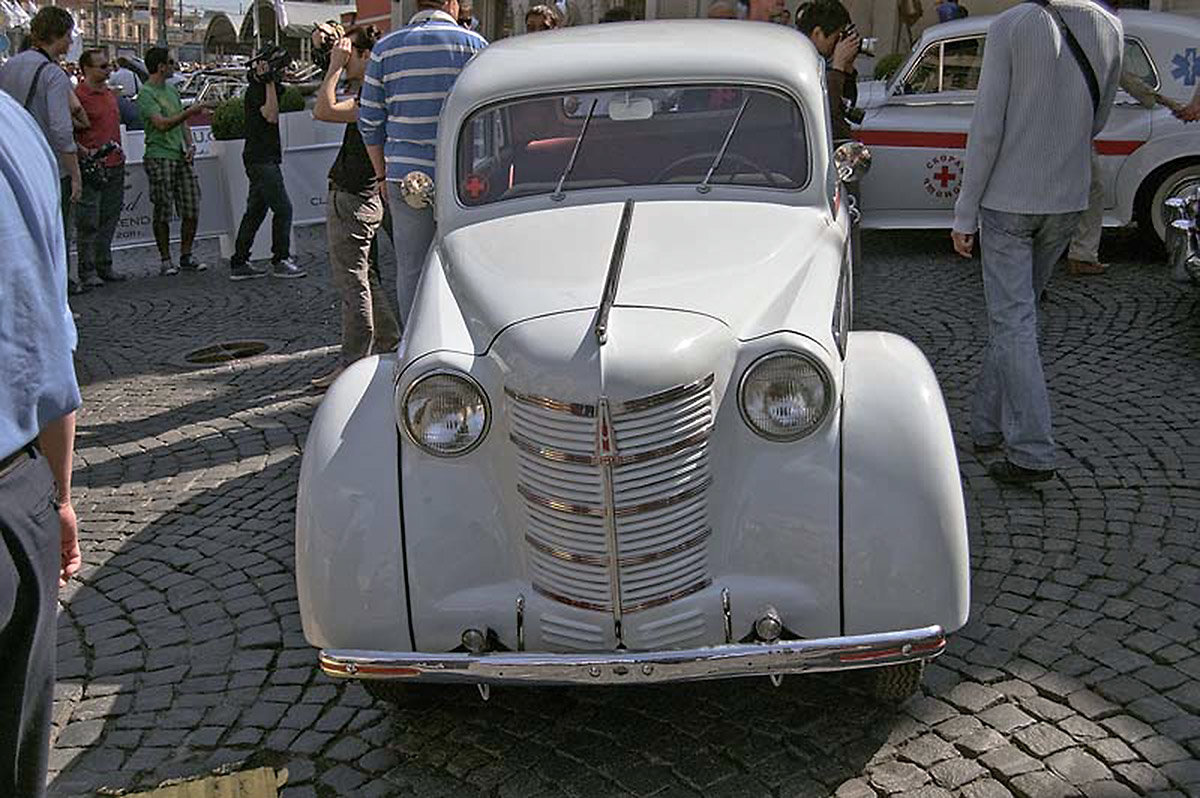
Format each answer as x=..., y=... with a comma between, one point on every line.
x=134, y=228
x=306, y=172
x=310, y=148
x=135, y=225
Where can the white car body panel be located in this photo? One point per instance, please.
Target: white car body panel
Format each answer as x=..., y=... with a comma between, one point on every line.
x=919, y=140
x=709, y=283
x=348, y=515
x=881, y=570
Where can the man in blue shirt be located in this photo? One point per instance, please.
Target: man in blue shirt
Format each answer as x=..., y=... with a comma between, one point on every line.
x=39, y=549
x=411, y=72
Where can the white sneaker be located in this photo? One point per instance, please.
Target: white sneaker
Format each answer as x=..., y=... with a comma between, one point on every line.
x=168, y=269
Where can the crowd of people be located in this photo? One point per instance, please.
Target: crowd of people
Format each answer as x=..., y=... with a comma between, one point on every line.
x=81, y=122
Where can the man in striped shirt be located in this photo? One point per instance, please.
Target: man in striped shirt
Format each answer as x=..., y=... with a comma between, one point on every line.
x=411, y=72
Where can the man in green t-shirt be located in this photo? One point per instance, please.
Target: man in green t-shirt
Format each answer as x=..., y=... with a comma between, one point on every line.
x=169, y=161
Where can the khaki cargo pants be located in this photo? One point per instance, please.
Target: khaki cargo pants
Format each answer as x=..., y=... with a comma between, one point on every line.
x=368, y=324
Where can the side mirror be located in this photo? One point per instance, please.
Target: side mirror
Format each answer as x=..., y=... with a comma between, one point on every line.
x=853, y=161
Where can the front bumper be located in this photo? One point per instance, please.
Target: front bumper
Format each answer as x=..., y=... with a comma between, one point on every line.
x=651, y=667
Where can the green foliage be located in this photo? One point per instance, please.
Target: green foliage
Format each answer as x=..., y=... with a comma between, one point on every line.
x=886, y=66
x=291, y=100
x=229, y=120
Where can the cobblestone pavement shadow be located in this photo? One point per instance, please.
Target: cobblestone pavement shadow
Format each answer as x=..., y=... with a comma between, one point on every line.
x=180, y=648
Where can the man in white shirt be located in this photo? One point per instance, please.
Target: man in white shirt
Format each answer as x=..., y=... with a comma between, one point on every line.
x=125, y=79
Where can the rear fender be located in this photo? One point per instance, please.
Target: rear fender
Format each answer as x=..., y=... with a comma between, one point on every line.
x=1175, y=147
x=350, y=571
x=904, y=526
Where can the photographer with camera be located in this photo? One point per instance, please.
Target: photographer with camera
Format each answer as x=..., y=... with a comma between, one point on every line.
x=102, y=164
x=828, y=25
x=263, y=157
x=355, y=211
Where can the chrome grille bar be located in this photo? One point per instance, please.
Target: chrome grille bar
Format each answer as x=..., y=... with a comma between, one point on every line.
x=616, y=495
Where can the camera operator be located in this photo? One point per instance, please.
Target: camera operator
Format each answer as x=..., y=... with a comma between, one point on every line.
x=354, y=213
x=263, y=158
x=827, y=24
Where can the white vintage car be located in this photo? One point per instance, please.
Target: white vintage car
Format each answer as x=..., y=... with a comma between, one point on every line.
x=629, y=436
x=916, y=126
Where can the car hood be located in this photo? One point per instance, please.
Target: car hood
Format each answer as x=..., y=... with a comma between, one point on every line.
x=872, y=94
x=751, y=266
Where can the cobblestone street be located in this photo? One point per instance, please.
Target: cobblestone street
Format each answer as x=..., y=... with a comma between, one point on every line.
x=180, y=649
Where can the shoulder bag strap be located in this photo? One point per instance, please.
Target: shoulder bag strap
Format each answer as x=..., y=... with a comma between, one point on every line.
x=34, y=84
x=1089, y=74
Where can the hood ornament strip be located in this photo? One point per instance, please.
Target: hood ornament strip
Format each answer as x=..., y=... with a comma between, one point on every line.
x=609, y=298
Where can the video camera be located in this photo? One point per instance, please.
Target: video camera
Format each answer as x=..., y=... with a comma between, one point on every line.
x=91, y=167
x=278, y=60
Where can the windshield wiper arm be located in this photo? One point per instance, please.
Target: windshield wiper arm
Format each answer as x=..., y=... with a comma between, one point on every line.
x=704, y=187
x=562, y=179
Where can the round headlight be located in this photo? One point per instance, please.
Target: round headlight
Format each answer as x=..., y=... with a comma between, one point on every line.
x=445, y=413
x=785, y=396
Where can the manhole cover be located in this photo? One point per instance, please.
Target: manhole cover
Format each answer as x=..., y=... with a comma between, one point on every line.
x=225, y=352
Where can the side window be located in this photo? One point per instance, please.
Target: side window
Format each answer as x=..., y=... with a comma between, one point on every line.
x=948, y=66
x=1138, y=64
x=926, y=76
x=962, y=63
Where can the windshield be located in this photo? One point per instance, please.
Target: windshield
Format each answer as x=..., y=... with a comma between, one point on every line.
x=635, y=137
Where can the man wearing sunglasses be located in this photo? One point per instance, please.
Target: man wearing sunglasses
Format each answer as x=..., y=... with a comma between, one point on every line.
x=168, y=161
x=99, y=206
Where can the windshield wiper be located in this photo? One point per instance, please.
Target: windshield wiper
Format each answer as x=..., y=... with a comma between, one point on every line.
x=704, y=187
x=562, y=179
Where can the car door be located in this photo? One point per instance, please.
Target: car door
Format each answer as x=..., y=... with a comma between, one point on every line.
x=918, y=136
x=1129, y=123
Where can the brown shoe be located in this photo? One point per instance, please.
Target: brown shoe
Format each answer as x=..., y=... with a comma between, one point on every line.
x=1082, y=267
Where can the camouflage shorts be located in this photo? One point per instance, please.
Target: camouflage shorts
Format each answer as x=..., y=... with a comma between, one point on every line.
x=173, y=184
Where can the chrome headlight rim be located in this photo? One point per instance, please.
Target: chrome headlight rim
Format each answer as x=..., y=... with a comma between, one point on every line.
x=826, y=382
x=457, y=374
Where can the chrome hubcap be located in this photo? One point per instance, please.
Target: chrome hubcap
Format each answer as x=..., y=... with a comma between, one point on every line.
x=1179, y=190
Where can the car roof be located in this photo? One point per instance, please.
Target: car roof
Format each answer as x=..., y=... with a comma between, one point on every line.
x=1134, y=21
x=1137, y=21
x=631, y=53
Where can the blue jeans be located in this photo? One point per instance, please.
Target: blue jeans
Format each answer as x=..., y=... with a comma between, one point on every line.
x=267, y=191
x=412, y=233
x=1011, y=401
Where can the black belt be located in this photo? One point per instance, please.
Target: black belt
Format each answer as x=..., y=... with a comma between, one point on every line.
x=7, y=464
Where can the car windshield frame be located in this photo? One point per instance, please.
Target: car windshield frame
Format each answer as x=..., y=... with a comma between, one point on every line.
x=789, y=168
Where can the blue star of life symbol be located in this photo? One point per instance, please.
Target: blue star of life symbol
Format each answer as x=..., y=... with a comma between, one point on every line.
x=1185, y=66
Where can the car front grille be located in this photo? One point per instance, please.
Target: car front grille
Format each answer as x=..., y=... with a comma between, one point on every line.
x=616, y=496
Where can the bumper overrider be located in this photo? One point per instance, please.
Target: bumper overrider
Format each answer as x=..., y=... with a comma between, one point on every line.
x=650, y=667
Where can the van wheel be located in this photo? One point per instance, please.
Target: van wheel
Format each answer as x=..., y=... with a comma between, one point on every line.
x=895, y=683
x=1177, y=181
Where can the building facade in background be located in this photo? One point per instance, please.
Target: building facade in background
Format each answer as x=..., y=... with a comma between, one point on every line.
x=878, y=18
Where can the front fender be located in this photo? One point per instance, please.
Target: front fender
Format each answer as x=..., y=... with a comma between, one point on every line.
x=349, y=556
x=904, y=526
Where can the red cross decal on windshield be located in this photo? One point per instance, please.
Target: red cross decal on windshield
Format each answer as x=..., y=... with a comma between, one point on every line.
x=475, y=186
x=945, y=176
